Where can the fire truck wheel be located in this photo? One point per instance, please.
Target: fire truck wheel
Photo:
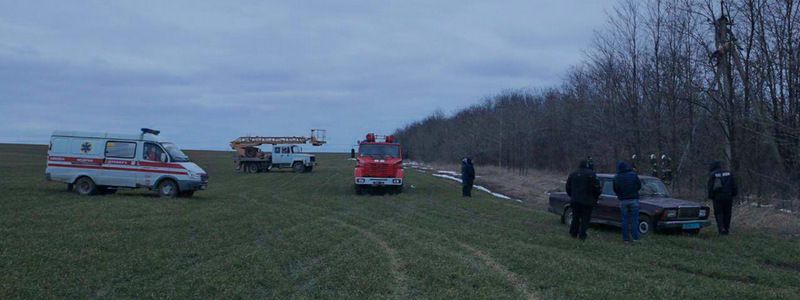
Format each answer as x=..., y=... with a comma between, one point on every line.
x=167, y=189
x=85, y=186
x=359, y=189
x=252, y=168
x=298, y=167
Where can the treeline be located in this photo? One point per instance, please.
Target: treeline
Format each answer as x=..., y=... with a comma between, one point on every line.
x=697, y=80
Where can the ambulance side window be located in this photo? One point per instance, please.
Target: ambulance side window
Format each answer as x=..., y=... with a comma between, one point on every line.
x=120, y=149
x=152, y=152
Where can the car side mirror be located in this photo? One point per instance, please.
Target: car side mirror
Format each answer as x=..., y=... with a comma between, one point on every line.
x=163, y=157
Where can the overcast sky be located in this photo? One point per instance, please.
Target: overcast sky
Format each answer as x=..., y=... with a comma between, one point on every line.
x=205, y=73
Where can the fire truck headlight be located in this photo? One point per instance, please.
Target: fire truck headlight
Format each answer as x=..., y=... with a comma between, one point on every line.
x=397, y=180
x=360, y=180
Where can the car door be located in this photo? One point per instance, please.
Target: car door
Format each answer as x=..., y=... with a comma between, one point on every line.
x=608, y=206
x=149, y=162
x=120, y=157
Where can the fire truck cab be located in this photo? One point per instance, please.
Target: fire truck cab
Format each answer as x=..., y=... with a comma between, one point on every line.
x=101, y=163
x=379, y=165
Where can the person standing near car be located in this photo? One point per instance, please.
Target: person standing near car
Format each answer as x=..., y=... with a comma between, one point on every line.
x=627, y=186
x=583, y=190
x=721, y=190
x=467, y=177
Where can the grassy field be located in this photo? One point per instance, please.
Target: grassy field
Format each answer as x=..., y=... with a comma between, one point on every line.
x=286, y=235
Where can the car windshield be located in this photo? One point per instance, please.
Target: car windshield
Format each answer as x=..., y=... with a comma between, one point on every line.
x=653, y=187
x=379, y=150
x=175, y=152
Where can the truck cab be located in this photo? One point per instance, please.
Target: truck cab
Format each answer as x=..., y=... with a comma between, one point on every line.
x=292, y=156
x=379, y=165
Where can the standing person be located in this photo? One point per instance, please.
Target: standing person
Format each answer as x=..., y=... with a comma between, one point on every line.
x=721, y=190
x=627, y=186
x=467, y=177
x=583, y=189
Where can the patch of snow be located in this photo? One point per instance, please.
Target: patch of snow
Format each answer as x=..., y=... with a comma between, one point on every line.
x=762, y=205
x=478, y=187
x=786, y=211
x=452, y=173
x=351, y=159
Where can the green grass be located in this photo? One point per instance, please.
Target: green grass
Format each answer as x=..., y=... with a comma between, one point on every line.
x=286, y=235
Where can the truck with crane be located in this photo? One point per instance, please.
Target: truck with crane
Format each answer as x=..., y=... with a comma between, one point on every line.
x=379, y=165
x=285, y=152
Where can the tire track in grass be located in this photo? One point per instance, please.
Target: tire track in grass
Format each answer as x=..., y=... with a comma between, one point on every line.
x=400, y=290
x=518, y=282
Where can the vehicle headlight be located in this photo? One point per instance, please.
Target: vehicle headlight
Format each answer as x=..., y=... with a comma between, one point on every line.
x=194, y=175
x=703, y=213
x=671, y=213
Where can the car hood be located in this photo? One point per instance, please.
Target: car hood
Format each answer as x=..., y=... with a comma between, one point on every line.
x=192, y=167
x=668, y=202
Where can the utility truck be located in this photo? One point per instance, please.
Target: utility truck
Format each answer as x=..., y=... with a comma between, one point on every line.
x=379, y=165
x=285, y=152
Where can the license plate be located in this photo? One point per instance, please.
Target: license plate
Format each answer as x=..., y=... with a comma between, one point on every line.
x=691, y=226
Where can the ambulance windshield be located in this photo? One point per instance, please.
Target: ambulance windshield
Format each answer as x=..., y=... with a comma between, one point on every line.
x=175, y=152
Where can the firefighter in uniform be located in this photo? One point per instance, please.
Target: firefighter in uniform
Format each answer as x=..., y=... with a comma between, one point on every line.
x=721, y=190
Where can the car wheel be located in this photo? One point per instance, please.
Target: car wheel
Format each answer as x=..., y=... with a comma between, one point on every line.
x=85, y=186
x=187, y=194
x=168, y=189
x=567, y=217
x=645, y=225
x=252, y=168
x=298, y=167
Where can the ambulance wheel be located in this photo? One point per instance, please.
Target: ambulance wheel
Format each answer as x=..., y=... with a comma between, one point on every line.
x=252, y=168
x=298, y=167
x=70, y=187
x=168, y=189
x=85, y=186
x=187, y=194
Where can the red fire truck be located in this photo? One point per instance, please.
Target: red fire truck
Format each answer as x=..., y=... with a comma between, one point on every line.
x=379, y=165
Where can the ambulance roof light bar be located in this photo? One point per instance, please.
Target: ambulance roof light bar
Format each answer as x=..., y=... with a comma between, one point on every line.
x=150, y=131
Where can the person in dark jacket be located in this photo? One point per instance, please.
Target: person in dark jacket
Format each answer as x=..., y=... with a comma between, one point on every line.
x=467, y=177
x=583, y=189
x=627, y=186
x=721, y=190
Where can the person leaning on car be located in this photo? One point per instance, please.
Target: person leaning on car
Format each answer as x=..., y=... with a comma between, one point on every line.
x=583, y=189
x=627, y=186
x=721, y=190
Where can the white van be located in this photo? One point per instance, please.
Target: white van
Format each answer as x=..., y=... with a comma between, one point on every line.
x=99, y=163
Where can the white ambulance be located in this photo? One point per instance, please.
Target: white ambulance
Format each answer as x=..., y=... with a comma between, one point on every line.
x=100, y=163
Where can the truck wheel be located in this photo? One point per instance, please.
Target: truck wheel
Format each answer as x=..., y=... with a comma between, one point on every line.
x=85, y=186
x=187, y=194
x=645, y=225
x=298, y=167
x=167, y=188
x=359, y=190
x=251, y=168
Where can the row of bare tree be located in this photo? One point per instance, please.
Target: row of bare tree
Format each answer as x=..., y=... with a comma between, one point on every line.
x=697, y=80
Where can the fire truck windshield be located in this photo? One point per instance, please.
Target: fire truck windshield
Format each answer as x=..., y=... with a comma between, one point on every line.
x=175, y=152
x=379, y=151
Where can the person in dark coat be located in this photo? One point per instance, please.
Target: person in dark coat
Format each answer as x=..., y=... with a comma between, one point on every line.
x=627, y=186
x=467, y=177
x=721, y=190
x=583, y=189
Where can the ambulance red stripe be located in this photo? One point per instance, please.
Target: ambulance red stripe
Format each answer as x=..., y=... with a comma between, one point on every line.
x=116, y=169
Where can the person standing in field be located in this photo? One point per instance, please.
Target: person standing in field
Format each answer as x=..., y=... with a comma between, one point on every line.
x=467, y=177
x=721, y=190
x=627, y=186
x=583, y=189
